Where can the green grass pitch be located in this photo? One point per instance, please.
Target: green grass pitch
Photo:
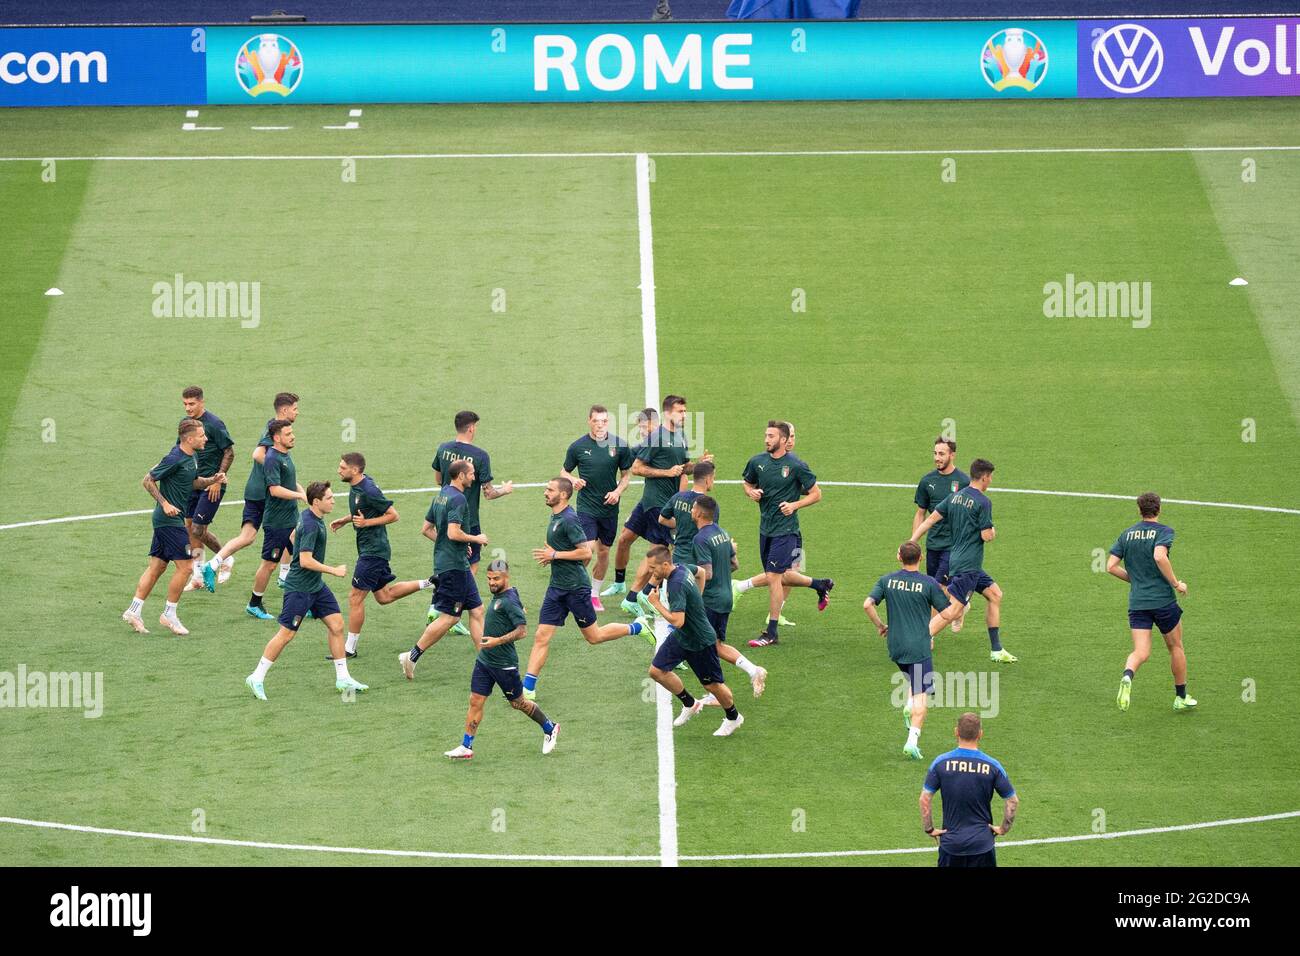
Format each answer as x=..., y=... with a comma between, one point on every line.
x=924, y=302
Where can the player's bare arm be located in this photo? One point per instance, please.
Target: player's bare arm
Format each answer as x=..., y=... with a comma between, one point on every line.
x=517, y=634
x=926, y=525
x=151, y=486
x=1008, y=815
x=625, y=478
x=307, y=561
x=361, y=521
x=814, y=495
x=927, y=819
x=578, y=483
x=1167, y=569
x=1113, y=567
x=753, y=492
x=870, y=607
x=491, y=492
x=430, y=531
x=456, y=533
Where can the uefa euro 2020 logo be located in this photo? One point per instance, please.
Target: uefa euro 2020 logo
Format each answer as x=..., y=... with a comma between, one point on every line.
x=268, y=63
x=1014, y=57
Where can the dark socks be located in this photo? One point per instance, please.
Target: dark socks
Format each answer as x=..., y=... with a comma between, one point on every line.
x=732, y=713
x=647, y=589
x=1180, y=690
x=1128, y=673
x=821, y=585
x=993, y=639
x=540, y=719
x=686, y=698
x=415, y=653
x=620, y=574
x=255, y=601
x=771, y=628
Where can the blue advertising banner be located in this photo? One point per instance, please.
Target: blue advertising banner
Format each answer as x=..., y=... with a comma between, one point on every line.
x=101, y=66
x=624, y=62
x=1235, y=57
x=642, y=62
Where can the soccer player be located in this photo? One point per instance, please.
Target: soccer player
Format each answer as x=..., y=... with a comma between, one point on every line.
x=456, y=591
x=603, y=466
x=462, y=448
x=970, y=514
x=217, y=571
x=216, y=456
x=713, y=551
x=662, y=461
x=647, y=422
x=691, y=638
x=569, y=590
x=497, y=663
x=1152, y=597
x=934, y=486
x=781, y=483
x=171, y=483
x=968, y=778
x=370, y=513
x=305, y=591
x=911, y=597
x=759, y=580
x=281, y=515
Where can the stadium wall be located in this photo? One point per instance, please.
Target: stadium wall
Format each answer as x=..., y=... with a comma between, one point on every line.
x=779, y=60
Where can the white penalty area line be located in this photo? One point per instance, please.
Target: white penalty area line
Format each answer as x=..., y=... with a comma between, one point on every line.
x=612, y=858
x=730, y=481
x=991, y=151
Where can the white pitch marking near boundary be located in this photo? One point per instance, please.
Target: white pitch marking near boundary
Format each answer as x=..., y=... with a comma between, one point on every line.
x=1146, y=831
x=732, y=481
x=546, y=858
x=270, y=127
x=650, y=353
x=1026, y=151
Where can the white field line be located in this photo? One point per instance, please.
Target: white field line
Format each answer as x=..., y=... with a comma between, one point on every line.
x=992, y=151
x=549, y=858
x=1002, y=844
x=729, y=481
x=650, y=352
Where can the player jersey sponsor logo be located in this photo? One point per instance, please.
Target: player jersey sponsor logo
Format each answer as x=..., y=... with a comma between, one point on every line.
x=1014, y=57
x=268, y=63
x=1128, y=58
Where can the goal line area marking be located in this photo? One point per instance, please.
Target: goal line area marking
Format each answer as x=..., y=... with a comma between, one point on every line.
x=613, y=858
x=721, y=154
x=729, y=481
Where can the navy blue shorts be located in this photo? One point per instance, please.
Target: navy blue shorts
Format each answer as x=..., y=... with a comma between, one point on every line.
x=475, y=550
x=201, y=510
x=705, y=664
x=1166, y=618
x=320, y=602
x=599, y=529
x=485, y=678
x=457, y=592
x=920, y=675
x=171, y=544
x=780, y=553
x=975, y=859
x=558, y=605
x=371, y=573
x=645, y=524
x=719, y=621
x=275, y=544
x=965, y=583
x=936, y=564
x=253, y=511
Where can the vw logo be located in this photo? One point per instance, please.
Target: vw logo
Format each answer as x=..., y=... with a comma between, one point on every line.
x=1128, y=58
